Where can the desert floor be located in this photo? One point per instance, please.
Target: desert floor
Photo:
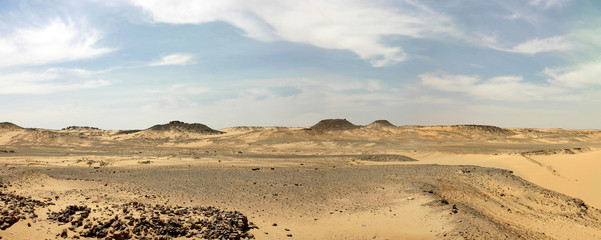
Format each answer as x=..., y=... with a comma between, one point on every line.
x=334, y=180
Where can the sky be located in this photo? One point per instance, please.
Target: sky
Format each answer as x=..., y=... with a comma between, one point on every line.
x=131, y=64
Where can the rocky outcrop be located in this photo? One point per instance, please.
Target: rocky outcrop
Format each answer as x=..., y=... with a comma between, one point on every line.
x=334, y=124
x=177, y=126
x=380, y=124
x=483, y=129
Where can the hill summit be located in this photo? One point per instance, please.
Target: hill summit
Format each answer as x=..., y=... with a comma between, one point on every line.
x=381, y=123
x=334, y=124
x=177, y=126
x=9, y=126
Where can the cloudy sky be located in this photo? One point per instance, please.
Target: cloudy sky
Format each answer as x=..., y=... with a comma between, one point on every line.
x=132, y=64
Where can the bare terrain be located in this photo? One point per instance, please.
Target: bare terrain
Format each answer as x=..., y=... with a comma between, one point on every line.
x=334, y=180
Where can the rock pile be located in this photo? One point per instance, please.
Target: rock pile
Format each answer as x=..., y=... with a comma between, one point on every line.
x=142, y=221
x=131, y=220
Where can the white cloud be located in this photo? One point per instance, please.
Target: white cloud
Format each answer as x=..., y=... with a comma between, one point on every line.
x=17, y=77
x=530, y=47
x=580, y=76
x=56, y=42
x=357, y=26
x=49, y=81
x=534, y=46
x=180, y=89
x=51, y=87
x=503, y=88
x=174, y=59
x=428, y=99
x=452, y=83
x=548, y=3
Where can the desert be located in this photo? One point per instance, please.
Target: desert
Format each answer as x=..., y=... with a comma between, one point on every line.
x=332, y=180
x=312, y=119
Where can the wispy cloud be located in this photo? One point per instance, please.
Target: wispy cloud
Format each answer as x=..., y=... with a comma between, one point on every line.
x=502, y=88
x=549, y=3
x=357, y=26
x=536, y=45
x=579, y=76
x=174, y=59
x=58, y=41
x=529, y=47
x=430, y=99
x=49, y=81
x=180, y=89
x=51, y=87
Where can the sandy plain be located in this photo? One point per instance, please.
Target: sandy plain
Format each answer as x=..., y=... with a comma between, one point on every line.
x=334, y=180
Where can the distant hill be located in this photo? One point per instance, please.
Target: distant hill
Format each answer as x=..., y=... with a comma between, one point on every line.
x=380, y=123
x=334, y=124
x=9, y=126
x=177, y=126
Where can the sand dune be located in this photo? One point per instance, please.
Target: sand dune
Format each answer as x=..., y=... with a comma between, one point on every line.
x=334, y=180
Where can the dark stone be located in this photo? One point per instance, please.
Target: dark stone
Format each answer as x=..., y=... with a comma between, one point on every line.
x=64, y=233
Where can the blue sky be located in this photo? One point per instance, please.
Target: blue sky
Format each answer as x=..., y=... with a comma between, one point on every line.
x=132, y=64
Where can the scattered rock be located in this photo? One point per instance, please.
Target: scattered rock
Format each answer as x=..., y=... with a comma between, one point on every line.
x=492, y=130
x=386, y=158
x=64, y=234
x=555, y=151
x=454, y=210
x=15, y=208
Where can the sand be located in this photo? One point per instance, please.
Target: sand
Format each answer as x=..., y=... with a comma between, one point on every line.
x=374, y=182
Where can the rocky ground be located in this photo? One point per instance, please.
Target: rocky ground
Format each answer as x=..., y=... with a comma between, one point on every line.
x=160, y=202
x=121, y=221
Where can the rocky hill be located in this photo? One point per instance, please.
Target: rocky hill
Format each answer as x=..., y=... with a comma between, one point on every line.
x=177, y=126
x=334, y=124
